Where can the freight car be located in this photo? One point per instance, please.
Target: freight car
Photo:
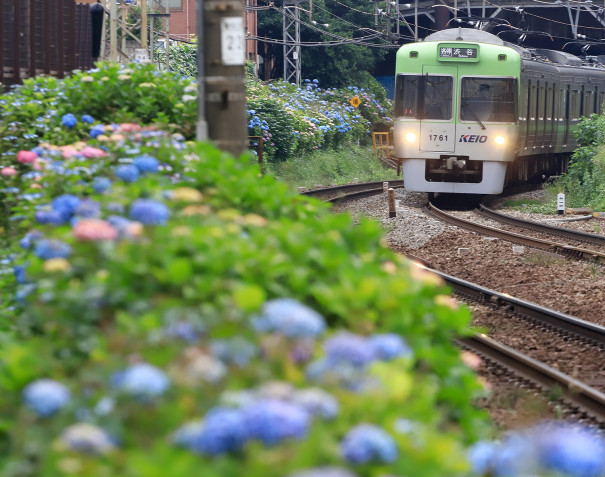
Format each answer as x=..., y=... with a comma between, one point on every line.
x=473, y=113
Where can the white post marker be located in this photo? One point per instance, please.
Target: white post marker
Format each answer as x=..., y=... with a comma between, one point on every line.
x=560, y=203
x=232, y=41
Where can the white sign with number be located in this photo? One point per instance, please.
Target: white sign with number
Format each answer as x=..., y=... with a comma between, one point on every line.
x=560, y=202
x=232, y=41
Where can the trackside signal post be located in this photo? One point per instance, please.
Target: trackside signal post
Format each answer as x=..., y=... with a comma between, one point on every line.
x=221, y=58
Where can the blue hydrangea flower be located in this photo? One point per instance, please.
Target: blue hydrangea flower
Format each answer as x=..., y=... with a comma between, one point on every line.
x=50, y=217
x=87, y=118
x=224, y=430
x=368, y=443
x=19, y=273
x=317, y=402
x=480, y=456
x=185, y=435
x=516, y=455
x=66, y=204
x=141, y=380
x=127, y=172
x=290, y=318
x=570, y=450
x=101, y=184
x=350, y=348
x=69, y=120
x=236, y=350
x=146, y=163
x=389, y=346
x=46, y=396
x=149, y=212
x=272, y=421
x=29, y=239
x=97, y=130
x=47, y=249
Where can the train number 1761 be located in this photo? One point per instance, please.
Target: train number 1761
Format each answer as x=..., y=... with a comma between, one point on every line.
x=437, y=137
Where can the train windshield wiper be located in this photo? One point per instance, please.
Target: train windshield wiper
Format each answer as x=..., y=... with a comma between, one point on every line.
x=466, y=104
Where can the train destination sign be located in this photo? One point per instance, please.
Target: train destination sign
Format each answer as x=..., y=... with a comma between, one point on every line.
x=450, y=52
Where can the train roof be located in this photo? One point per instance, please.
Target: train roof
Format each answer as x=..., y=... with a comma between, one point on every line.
x=465, y=34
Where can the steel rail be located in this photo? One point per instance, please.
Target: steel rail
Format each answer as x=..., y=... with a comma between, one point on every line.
x=574, y=391
x=543, y=228
x=577, y=392
x=568, y=250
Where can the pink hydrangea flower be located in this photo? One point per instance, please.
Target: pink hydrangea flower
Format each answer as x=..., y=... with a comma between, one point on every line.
x=129, y=127
x=69, y=151
x=9, y=171
x=25, y=157
x=90, y=151
x=94, y=229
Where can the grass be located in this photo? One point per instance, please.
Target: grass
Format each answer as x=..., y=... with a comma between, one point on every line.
x=327, y=167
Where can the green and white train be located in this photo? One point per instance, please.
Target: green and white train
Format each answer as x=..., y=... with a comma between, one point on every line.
x=473, y=113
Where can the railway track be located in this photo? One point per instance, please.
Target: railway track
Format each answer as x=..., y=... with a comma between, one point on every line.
x=523, y=239
x=351, y=191
x=582, y=397
x=586, y=395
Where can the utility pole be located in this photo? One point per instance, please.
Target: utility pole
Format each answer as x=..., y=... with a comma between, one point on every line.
x=291, y=39
x=221, y=58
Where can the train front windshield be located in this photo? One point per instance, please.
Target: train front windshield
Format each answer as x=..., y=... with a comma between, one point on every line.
x=488, y=99
x=431, y=97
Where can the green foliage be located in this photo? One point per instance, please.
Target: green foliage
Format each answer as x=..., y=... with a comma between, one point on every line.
x=233, y=241
x=337, y=166
x=183, y=58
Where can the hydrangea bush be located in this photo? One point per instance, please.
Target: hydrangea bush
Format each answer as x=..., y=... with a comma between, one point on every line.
x=195, y=315
x=294, y=120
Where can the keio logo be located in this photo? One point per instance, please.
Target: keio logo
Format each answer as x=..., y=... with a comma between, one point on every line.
x=472, y=138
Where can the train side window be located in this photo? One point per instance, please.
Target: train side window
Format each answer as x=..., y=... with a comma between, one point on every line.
x=582, y=94
x=541, y=104
x=601, y=99
x=549, y=104
x=574, y=105
x=588, y=103
x=532, y=103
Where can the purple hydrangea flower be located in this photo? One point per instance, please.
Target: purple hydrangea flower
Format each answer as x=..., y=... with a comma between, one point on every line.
x=87, y=439
x=389, y=346
x=87, y=118
x=290, y=318
x=127, y=172
x=368, y=443
x=141, y=380
x=224, y=430
x=88, y=209
x=69, y=120
x=349, y=348
x=317, y=402
x=272, y=421
x=50, y=217
x=66, y=204
x=97, y=130
x=101, y=184
x=46, y=396
x=146, y=163
x=47, y=249
x=149, y=212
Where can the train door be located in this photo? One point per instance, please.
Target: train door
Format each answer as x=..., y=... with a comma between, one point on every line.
x=436, y=97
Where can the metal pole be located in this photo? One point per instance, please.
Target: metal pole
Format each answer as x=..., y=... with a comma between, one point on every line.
x=144, y=38
x=113, y=32
x=415, y=20
x=202, y=125
x=167, y=46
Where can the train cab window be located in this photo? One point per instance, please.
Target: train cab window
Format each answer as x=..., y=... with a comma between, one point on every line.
x=424, y=97
x=488, y=99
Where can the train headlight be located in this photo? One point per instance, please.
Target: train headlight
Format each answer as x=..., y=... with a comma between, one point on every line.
x=499, y=139
x=410, y=137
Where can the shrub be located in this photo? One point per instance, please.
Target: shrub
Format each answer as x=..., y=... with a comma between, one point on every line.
x=249, y=332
